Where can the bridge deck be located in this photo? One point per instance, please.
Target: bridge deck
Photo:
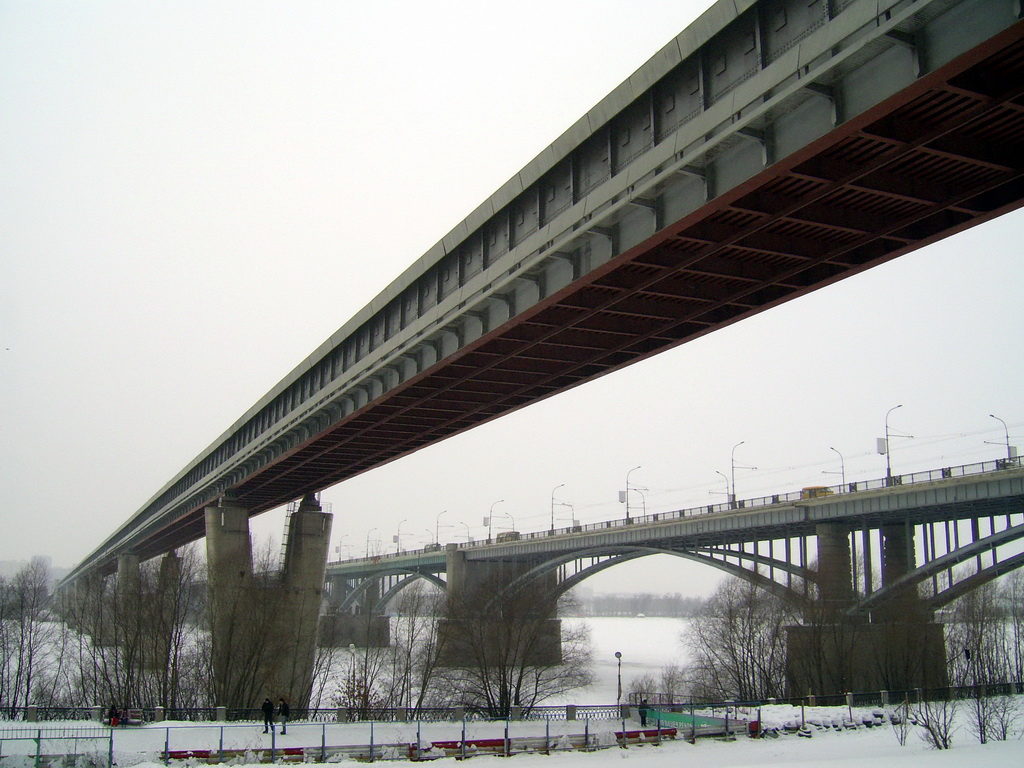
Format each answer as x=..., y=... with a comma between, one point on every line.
x=795, y=159
x=948, y=494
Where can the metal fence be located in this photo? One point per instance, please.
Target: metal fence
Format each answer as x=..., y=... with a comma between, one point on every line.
x=857, y=699
x=72, y=746
x=99, y=747
x=321, y=715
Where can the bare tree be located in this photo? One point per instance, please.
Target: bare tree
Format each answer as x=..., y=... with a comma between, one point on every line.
x=1012, y=594
x=674, y=684
x=641, y=687
x=24, y=633
x=899, y=720
x=415, y=646
x=738, y=643
x=509, y=652
x=360, y=683
x=979, y=649
x=133, y=642
x=937, y=718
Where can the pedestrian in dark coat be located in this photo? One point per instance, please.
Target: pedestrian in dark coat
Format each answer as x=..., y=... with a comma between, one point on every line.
x=643, y=713
x=268, y=714
x=283, y=711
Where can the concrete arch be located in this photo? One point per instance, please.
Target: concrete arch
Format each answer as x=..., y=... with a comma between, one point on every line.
x=386, y=598
x=616, y=555
x=363, y=585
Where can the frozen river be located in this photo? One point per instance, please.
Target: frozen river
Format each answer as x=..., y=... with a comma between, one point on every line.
x=647, y=645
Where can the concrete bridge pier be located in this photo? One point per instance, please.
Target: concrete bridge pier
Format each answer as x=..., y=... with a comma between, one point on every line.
x=164, y=604
x=486, y=621
x=231, y=605
x=264, y=628
x=835, y=649
x=364, y=626
x=129, y=576
x=301, y=592
x=835, y=569
x=911, y=645
x=821, y=652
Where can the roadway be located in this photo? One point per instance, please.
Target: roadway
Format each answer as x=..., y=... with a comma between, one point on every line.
x=969, y=492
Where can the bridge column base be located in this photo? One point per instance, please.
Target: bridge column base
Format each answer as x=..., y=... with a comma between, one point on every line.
x=264, y=631
x=469, y=643
x=340, y=630
x=890, y=656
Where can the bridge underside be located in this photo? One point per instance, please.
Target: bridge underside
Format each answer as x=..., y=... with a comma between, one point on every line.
x=941, y=156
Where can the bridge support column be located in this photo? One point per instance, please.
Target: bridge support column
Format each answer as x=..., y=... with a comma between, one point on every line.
x=820, y=653
x=486, y=621
x=911, y=645
x=264, y=630
x=232, y=608
x=835, y=573
x=129, y=575
x=363, y=628
x=163, y=607
x=835, y=651
x=298, y=618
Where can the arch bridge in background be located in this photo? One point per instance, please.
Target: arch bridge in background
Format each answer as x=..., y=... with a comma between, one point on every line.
x=962, y=524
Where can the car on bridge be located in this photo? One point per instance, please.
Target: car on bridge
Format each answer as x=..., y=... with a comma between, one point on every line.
x=815, y=492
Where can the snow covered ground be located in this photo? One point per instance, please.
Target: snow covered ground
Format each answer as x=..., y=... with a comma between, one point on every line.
x=646, y=645
x=875, y=747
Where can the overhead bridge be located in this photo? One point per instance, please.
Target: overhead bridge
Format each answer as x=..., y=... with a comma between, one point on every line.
x=867, y=564
x=959, y=527
x=772, y=148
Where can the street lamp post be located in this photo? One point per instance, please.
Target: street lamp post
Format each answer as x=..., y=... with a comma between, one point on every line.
x=398, y=537
x=732, y=461
x=728, y=493
x=1006, y=429
x=618, y=687
x=634, y=469
x=560, y=485
x=888, y=461
x=643, y=502
x=511, y=520
x=337, y=549
x=490, y=519
x=368, y=540
x=437, y=526
x=842, y=465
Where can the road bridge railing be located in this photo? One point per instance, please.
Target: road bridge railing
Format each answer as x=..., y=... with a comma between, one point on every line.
x=809, y=494
x=884, y=699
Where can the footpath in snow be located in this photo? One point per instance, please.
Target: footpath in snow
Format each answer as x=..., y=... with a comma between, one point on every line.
x=862, y=747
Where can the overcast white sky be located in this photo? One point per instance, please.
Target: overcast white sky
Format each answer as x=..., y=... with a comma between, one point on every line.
x=194, y=195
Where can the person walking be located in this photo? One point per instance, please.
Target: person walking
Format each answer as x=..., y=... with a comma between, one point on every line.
x=283, y=711
x=268, y=714
x=643, y=713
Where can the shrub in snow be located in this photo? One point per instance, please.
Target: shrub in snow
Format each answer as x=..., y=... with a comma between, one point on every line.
x=936, y=719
